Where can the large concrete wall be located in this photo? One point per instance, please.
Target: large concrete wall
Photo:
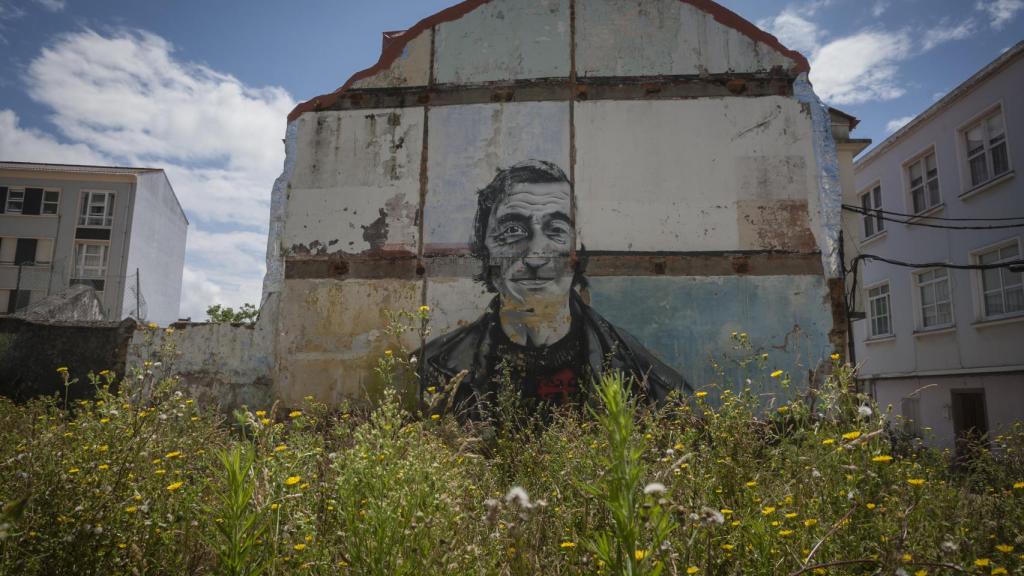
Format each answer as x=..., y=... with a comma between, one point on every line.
x=693, y=193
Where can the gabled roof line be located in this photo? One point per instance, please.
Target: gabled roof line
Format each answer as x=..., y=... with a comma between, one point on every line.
x=941, y=104
x=395, y=46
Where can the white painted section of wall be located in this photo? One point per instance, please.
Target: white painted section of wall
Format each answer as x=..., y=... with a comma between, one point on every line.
x=971, y=343
x=156, y=248
x=469, y=144
x=504, y=40
x=274, y=275
x=676, y=38
x=411, y=68
x=1004, y=402
x=690, y=174
x=351, y=166
x=222, y=365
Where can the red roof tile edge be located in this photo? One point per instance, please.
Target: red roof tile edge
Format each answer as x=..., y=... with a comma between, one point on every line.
x=395, y=48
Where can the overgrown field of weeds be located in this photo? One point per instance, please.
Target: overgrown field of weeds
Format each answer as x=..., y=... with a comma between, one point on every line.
x=142, y=480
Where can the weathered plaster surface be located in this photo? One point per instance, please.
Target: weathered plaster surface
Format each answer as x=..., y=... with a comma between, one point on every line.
x=699, y=174
x=504, y=40
x=331, y=334
x=468, y=144
x=223, y=365
x=278, y=208
x=411, y=68
x=677, y=38
x=356, y=183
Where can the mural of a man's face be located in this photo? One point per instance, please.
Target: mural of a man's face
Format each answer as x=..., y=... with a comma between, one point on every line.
x=529, y=240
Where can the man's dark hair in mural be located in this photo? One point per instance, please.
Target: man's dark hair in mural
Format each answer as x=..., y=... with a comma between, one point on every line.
x=537, y=332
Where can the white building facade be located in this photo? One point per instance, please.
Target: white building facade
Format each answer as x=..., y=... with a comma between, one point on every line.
x=118, y=230
x=942, y=338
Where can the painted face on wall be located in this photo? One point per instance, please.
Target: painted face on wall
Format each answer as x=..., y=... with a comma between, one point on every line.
x=529, y=240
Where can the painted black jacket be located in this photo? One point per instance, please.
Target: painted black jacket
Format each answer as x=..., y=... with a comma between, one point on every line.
x=606, y=348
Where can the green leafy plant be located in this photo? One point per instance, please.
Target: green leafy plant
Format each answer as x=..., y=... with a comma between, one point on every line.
x=240, y=528
x=246, y=314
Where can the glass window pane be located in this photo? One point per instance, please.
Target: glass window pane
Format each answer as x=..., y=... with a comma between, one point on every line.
x=1015, y=299
x=995, y=125
x=1008, y=252
x=933, y=192
x=940, y=273
x=979, y=170
x=917, y=194
x=915, y=174
x=929, y=164
x=990, y=279
x=878, y=196
x=927, y=295
x=944, y=313
x=942, y=291
x=1010, y=278
x=975, y=140
x=993, y=304
x=1000, y=163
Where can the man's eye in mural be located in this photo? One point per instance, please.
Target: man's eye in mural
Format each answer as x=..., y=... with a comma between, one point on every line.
x=510, y=233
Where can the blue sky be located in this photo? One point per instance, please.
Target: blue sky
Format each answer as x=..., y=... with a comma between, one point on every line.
x=202, y=88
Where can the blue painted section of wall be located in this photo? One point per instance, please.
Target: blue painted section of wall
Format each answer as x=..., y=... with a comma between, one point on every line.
x=688, y=322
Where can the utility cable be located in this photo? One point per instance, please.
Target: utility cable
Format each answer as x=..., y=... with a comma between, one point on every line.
x=872, y=214
x=862, y=210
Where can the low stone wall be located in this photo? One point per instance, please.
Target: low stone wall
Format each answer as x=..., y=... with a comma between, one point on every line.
x=222, y=365
x=31, y=352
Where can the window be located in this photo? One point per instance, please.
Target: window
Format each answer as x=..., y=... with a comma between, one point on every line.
x=90, y=260
x=15, y=201
x=923, y=176
x=97, y=209
x=985, y=143
x=933, y=291
x=1002, y=291
x=878, y=307
x=872, y=201
x=51, y=199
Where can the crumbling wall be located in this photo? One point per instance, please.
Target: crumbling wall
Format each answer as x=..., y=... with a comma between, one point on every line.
x=699, y=199
x=222, y=365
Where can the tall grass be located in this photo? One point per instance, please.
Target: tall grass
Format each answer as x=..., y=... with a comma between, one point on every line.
x=151, y=483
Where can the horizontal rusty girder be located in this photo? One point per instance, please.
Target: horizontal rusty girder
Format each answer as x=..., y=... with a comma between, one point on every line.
x=563, y=89
x=407, y=266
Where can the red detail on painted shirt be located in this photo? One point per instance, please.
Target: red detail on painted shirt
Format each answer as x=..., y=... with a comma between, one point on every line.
x=559, y=386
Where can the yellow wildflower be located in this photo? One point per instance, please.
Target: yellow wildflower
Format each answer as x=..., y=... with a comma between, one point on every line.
x=828, y=441
x=727, y=547
x=175, y=454
x=131, y=509
x=783, y=409
x=435, y=416
x=280, y=448
x=104, y=420
x=1018, y=485
x=882, y=458
x=767, y=510
x=785, y=533
x=907, y=558
x=174, y=486
x=810, y=522
x=292, y=480
x=870, y=505
x=152, y=325
x=159, y=472
x=921, y=572
x=998, y=570
x=725, y=511
x=1005, y=548
x=834, y=356
x=295, y=413
x=104, y=466
x=567, y=545
x=104, y=372
x=424, y=308
x=389, y=353
x=916, y=481
x=701, y=394
x=63, y=370
x=275, y=506
x=791, y=515
x=852, y=435
x=299, y=547
x=73, y=470
x=751, y=484
x=692, y=570
x=981, y=562
x=265, y=421
x=639, y=554
x=777, y=373
x=261, y=413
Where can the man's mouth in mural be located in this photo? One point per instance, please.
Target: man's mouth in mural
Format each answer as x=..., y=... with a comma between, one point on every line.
x=533, y=281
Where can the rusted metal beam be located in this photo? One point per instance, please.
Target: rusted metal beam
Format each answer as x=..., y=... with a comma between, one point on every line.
x=407, y=266
x=564, y=89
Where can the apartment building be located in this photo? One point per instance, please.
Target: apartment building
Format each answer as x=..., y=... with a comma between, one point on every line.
x=119, y=230
x=941, y=339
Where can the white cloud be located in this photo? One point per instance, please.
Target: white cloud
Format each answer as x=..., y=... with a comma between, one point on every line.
x=999, y=11
x=936, y=96
x=52, y=5
x=945, y=33
x=879, y=8
x=860, y=68
x=19, y=144
x=793, y=31
x=125, y=98
x=897, y=123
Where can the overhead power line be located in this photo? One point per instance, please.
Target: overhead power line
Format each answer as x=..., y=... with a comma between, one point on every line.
x=861, y=209
x=1004, y=264
x=874, y=214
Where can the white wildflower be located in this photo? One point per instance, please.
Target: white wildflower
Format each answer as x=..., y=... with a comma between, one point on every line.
x=654, y=488
x=864, y=411
x=519, y=496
